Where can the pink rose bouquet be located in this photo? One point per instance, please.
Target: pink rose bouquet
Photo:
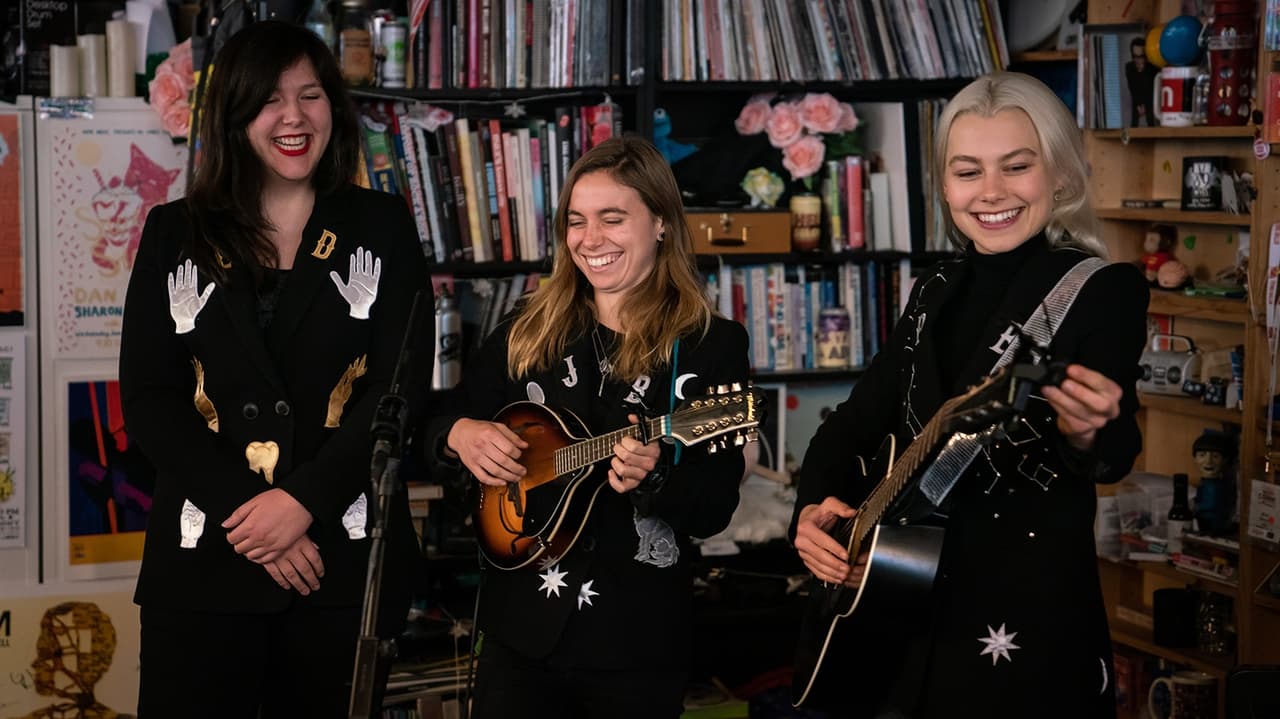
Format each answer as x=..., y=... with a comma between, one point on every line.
x=170, y=90
x=808, y=130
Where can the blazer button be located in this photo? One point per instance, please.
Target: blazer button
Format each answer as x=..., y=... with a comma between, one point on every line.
x=588, y=544
x=250, y=410
x=282, y=408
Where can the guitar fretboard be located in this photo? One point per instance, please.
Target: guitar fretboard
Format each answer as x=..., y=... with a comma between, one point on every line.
x=589, y=451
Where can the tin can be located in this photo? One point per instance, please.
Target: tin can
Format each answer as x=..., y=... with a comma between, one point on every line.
x=394, y=35
x=833, y=338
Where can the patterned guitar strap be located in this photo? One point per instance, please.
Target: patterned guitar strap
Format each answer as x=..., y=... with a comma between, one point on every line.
x=959, y=451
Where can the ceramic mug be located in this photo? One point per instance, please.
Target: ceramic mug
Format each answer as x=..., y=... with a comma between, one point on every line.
x=1175, y=102
x=1193, y=695
x=806, y=222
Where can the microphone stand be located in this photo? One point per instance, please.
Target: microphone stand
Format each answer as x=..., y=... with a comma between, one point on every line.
x=388, y=430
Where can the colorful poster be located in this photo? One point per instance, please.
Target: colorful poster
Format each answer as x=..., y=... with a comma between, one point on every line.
x=11, y=219
x=13, y=440
x=105, y=175
x=69, y=656
x=111, y=482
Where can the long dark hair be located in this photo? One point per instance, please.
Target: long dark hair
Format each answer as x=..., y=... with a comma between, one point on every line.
x=225, y=197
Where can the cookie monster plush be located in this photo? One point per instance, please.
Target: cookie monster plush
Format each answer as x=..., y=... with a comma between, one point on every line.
x=670, y=149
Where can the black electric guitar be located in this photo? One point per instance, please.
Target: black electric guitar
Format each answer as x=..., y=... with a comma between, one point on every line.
x=850, y=639
x=545, y=510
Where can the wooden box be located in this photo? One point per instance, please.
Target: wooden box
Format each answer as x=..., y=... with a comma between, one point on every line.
x=740, y=231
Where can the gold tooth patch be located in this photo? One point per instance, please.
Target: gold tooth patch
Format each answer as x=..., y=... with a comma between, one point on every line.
x=263, y=457
x=342, y=392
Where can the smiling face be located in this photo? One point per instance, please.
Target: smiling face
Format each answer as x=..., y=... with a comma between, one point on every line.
x=292, y=130
x=612, y=238
x=995, y=180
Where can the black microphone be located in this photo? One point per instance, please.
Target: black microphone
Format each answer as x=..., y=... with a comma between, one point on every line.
x=391, y=417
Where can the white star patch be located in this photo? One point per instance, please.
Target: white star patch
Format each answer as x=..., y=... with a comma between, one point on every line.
x=998, y=644
x=585, y=594
x=548, y=562
x=553, y=581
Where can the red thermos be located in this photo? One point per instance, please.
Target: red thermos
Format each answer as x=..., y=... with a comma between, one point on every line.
x=1232, y=40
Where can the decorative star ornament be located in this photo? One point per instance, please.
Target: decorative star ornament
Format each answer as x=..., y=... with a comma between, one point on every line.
x=553, y=581
x=460, y=629
x=548, y=562
x=998, y=644
x=585, y=594
x=514, y=110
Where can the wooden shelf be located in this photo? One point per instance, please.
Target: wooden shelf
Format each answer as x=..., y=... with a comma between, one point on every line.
x=1268, y=601
x=1165, y=569
x=1140, y=638
x=1219, y=309
x=882, y=90
x=488, y=269
x=1159, y=214
x=1044, y=56
x=1195, y=132
x=490, y=94
x=818, y=258
x=1189, y=406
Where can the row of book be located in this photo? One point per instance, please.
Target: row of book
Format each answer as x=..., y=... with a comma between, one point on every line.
x=855, y=203
x=832, y=40
x=524, y=43
x=781, y=305
x=481, y=189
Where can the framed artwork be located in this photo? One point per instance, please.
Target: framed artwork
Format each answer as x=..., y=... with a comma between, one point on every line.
x=12, y=220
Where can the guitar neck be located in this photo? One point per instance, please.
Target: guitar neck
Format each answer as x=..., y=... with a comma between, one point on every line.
x=573, y=457
x=904, y=468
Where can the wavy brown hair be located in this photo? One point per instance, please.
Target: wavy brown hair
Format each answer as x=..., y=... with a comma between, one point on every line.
x=669, y=302
x=225, y=198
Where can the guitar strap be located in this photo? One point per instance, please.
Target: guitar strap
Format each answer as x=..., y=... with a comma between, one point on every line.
x=959, y=451
x=671, y=398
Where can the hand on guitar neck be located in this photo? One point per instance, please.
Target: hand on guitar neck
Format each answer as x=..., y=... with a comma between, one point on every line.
x=632, y=461
x=822, y=553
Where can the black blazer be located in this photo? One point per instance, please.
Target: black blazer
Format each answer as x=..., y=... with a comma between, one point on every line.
x=1019, y=546
x=198, y=397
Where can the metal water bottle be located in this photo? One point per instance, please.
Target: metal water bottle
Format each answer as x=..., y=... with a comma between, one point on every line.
x=448, y=365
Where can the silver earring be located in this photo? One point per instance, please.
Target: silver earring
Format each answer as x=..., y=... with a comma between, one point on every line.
x=1057, y=196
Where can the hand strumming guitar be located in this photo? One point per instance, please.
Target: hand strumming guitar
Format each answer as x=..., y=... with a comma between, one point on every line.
x=488, y=449
x=821, y=553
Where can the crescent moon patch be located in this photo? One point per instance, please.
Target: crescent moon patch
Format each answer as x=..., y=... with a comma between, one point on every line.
x=680, y=384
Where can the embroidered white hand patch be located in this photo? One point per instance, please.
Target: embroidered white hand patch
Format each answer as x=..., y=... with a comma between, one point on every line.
x=361, y=288
x=353, y=520
x=184, y=302
x=191, y=524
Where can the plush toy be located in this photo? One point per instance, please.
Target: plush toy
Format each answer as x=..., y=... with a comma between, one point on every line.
x=1158, y=249
x=670, y=149
x=1172, y=275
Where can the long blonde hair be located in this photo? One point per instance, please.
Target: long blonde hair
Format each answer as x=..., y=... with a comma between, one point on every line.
x=1072, y=221
x=667, y=304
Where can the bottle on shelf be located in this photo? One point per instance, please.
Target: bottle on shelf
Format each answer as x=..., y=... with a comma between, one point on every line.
x=1179, y=517
x=355, y=43
x=448, y=364
x=320, y=22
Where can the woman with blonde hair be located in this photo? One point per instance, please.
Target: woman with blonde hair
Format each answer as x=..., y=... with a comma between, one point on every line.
x=1015, y=622
x=621, y=331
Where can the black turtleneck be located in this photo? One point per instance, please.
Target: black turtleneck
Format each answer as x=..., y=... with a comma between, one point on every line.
x=959, y=327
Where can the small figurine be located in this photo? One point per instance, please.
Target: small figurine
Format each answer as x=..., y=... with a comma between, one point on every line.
x=1172, y=275
x=1158, y=249
x=1215, y=497
x=764, y=187
x=670, y=149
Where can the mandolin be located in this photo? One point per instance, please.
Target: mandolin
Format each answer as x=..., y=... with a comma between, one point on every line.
x=546, y=509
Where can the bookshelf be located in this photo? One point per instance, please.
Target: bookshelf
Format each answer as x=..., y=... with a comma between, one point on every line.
x=1146, y=163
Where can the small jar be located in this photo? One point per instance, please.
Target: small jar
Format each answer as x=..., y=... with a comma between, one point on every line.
x=394, y=36
x=833, y=338
x=355, y=43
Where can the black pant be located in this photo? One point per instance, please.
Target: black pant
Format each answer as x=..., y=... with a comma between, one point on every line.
x=295, y=663
x=512, y=686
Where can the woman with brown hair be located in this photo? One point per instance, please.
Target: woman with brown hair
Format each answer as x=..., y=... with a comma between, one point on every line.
x=621, y=331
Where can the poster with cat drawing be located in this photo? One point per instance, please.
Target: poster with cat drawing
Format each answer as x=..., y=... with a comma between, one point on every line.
x=99, y=177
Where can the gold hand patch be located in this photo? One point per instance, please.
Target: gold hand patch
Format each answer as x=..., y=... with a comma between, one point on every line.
x=203, y=404
x=342, y=392
x=262, y=457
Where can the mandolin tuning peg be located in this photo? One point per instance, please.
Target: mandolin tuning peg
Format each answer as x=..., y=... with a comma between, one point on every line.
x=711, y=447
x=736, y=387
x=752, y=435
x=722, y=389
x=711, y=390
x=739, y=440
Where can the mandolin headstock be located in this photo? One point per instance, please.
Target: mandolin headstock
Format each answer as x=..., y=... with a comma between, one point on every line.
x=727, y=413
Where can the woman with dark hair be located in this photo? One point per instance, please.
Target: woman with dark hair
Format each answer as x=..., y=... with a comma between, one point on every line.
x=621, y=330
x=263, y=322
